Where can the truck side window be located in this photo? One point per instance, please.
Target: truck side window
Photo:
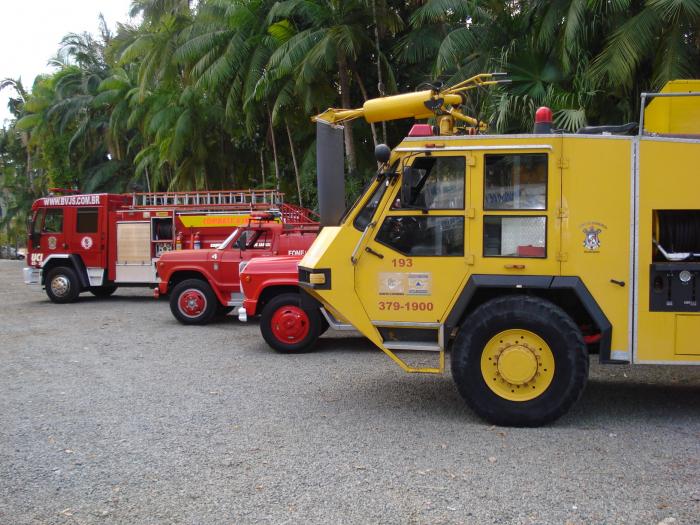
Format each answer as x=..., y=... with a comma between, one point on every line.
x=261, y=241
x=511, y=236
x=86, y=221
x=53, y=223
x=440, y=184
x=424, y=235
x=515, y=181
x=365, y=216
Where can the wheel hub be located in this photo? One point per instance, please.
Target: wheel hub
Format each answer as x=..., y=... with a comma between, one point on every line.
x=517, y=365
x=60, y=285
x=290, y=324
x=192, y=303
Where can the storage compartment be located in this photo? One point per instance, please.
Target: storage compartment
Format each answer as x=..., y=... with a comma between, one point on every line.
x=134, y=243
x=162, y=235
x=687, y=335
x=676, y=268
x=676, y=235
x=134, y=262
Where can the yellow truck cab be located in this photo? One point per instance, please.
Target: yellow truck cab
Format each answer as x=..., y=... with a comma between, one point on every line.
x=520, y=254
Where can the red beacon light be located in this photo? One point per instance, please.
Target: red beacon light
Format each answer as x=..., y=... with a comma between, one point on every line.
x=421, y=130
x=543, y=120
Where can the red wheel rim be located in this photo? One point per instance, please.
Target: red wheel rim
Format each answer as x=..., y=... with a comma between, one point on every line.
x=290, y=324
x=192, y=303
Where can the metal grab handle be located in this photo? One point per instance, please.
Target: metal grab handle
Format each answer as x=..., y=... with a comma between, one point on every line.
x=354, y=257
x=373, y=252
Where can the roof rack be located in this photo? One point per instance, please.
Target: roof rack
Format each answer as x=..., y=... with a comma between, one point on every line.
x=297, y=215
x=224, y=198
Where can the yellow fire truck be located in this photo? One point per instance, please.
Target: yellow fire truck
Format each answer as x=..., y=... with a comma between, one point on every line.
x=519, y=254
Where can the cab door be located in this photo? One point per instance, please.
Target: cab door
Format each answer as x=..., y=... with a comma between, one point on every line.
x=52, y=224
x=516, y=224
x=223, y=265
x=88, y=236
x=410, y=268
x=252, y=242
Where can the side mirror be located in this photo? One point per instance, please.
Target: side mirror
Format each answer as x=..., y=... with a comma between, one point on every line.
x=240, y=242
x=382, y=153
x=408, y=183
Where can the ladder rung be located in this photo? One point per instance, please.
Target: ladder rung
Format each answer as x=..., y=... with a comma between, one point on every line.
x=199, y=198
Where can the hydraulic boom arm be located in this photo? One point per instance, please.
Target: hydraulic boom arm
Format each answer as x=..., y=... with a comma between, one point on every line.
x=445, y=104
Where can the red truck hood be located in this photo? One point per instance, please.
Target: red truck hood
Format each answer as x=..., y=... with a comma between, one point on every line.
x=186, y=255
x=272, y=265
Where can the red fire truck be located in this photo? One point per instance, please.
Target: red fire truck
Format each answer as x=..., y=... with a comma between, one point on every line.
x=97, y=242
x=202, y=283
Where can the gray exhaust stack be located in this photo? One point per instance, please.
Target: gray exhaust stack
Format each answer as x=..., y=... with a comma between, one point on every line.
x=330, y=170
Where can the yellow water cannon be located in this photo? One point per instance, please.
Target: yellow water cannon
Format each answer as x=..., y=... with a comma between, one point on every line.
x=443, y=103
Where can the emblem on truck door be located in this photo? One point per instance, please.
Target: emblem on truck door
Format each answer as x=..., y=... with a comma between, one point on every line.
x=51, y=243
x=86, y=242
x=592, y=231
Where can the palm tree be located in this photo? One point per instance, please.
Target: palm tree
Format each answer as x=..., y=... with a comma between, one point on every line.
x=330, y=37
x=657, y=44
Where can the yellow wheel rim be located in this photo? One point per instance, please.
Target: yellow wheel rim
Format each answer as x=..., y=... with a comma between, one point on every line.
x=517, y=365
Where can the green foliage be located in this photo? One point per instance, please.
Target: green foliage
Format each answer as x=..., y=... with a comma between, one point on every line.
x=196, y=94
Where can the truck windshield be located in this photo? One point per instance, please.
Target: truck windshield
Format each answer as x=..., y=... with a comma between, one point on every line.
x=228, y=240
x=365, y=216
x=36, y=221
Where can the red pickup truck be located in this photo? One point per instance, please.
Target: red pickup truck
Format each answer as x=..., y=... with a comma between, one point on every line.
x=290, y=321
x=203, y=283
x=271, y=290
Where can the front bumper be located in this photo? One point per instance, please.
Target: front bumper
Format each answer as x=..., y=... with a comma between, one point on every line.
x=242, y=315
x=162, y=288
x=247, y=309
x=31, y=275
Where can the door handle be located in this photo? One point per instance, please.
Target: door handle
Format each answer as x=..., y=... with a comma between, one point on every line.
x=514, y=266
x=375, y=253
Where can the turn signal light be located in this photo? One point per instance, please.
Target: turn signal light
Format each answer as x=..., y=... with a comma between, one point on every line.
x=317, y=278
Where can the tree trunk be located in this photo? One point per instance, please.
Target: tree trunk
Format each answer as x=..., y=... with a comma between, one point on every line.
x=345, y=102
x=380, y=83
x=274, y=150
x=262, y=167
x=294, y=161
x=25, y=143
x=365, y=97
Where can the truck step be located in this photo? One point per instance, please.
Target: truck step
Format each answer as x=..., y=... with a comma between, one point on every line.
x=236, y=299
x=412, y=345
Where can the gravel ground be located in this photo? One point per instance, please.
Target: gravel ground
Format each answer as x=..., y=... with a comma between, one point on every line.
x=112, y=412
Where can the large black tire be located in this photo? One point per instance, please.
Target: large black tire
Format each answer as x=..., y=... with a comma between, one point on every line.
x=193, y=302
x=62, y=285
x=103, y=291
x=539, y=317
x=288, y=328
